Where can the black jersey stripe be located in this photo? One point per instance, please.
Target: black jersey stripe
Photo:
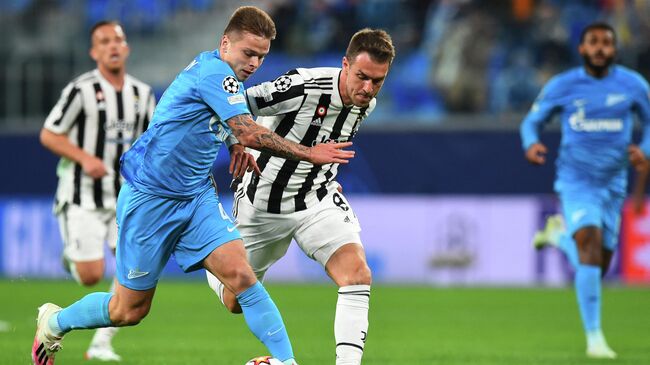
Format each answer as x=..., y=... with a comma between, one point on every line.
x=362, y=114
x=139, y=103
x=99, y=146
x=119, y=145
x=81, y=131
x=289, y=167
x=145, y=122
x=294, y=91
x=306, y=186
x=322, y=189
x=68, y=102
x=282, y=130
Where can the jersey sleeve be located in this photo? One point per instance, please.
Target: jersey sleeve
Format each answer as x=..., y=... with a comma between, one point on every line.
x=66, y=110
x=280, y=96
x=545, y=105
x=642, y=108
x=224, y=94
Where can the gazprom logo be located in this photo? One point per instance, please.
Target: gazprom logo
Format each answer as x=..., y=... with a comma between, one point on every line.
x=580, y=123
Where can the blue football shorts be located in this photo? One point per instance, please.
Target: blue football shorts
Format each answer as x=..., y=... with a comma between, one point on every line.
x=584, y=206
x=151, y=228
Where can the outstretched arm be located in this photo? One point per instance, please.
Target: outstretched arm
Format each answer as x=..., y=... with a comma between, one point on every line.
x=253, y=135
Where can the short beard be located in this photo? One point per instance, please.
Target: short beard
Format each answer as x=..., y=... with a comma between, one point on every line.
x=599, y=71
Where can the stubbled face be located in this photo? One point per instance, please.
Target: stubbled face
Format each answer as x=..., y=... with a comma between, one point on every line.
x=598, y=49
x=361, y=79
x=109, y=48
x=244, y=52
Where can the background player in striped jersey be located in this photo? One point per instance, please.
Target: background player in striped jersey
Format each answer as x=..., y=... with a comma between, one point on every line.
x=169, y=204
x=596, y=104
x=301, y=201
x=97, y=118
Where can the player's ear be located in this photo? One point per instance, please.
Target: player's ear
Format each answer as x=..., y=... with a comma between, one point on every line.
x=345, y=65
x=93, y=54
x=224, y=44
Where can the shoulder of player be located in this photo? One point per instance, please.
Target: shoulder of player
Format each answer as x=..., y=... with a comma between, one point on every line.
x=137, y=82
x=630, y=77
x=209, y=64
x=319, y=79
x=86, y=77
x=563, y=81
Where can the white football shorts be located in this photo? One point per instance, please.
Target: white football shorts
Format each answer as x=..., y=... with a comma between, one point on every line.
x=319, y=231
x=84, y=232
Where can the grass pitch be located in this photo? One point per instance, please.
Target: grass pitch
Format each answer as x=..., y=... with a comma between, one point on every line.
x=408, y=325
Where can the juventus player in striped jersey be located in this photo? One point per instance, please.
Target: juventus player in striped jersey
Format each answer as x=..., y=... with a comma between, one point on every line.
x=97, y=118
x=298, y=200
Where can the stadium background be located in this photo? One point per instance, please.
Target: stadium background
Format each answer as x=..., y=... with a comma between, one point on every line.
x=439, y=182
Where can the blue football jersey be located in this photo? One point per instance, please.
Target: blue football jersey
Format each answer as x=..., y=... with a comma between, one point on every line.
x=174, y=157
x=596, y=118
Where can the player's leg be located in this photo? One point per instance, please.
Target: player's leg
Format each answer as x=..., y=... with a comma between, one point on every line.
x=585, y=221
x=330, y=235
x=211, y=241
x=101, y=347
x=83, y=233
x=124, y=308
x=136, y=287
x=266, y=236
x=349, y=270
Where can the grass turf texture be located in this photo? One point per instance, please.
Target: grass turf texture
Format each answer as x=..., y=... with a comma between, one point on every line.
x=408, y=325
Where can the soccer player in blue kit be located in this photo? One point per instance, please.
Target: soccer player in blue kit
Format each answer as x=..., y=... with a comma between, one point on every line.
x=596, y=103
x=169, y=204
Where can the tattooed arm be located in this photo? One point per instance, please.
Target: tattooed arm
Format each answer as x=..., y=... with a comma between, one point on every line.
x=253, y=135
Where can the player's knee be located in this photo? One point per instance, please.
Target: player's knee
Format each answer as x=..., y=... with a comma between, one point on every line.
x=363, y=275
x=590, y=246
x=87, y=276
x=90, y=279
x=359, y=275
x=239, y=277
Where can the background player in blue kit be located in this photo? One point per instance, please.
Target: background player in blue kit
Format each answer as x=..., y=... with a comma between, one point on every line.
x=596, y=103
x=169, y=204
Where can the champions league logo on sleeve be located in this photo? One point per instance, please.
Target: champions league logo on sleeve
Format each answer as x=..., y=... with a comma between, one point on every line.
x=282, y=83
x=230, y=85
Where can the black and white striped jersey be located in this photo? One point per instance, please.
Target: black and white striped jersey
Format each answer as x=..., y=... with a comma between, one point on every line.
x=103, y=122
x=304, y=106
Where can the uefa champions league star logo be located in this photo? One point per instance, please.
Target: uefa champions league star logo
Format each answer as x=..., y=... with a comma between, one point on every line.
x=230, y=85
x=455, y=246
x=282, y=83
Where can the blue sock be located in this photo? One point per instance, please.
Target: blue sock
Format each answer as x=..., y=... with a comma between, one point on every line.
x=265, y=321
x=90, y=311
x=570, y=248
x=587, y=284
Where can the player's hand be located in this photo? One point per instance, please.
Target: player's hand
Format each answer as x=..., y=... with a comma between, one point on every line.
x=325, y=153
x=339, y=187
x=536, y=154
x=241, y=161
x=637, y=159
x=93, y=167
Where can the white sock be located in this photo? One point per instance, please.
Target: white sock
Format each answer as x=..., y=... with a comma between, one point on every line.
x=215, y=285
x=596, y=338
x=104, y=336
x=351, y=323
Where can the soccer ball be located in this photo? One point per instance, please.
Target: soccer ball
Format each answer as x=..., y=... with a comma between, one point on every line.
x=264, y=360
